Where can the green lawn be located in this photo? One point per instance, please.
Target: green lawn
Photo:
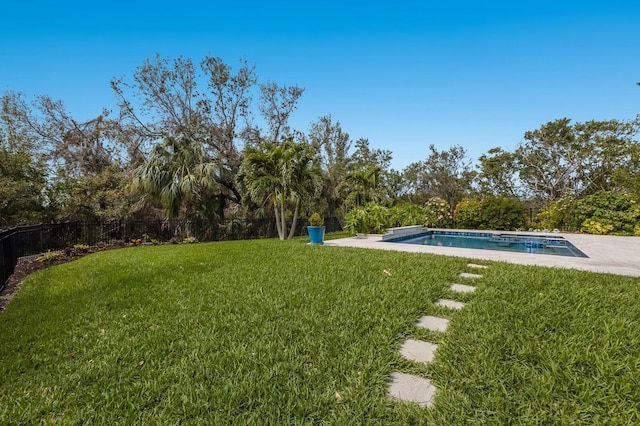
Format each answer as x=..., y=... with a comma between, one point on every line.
x=270, y=332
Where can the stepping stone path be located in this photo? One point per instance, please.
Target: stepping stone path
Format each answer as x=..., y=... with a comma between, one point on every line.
x=462, y=288
x=410, y=388
x=453, y=304
x=418, y=351
x=468, y=275
x=406, y=387
x=433, y=323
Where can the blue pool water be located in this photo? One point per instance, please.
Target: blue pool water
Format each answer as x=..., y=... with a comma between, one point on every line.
x=543, y=244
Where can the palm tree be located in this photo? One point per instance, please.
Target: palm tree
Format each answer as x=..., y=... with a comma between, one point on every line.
x=179, y=174
x=363, y=186
x=281, y=175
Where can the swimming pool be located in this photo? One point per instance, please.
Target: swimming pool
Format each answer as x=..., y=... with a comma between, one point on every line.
x=542, y=244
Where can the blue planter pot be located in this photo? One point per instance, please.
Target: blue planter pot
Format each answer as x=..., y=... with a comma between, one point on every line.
x=316, y=234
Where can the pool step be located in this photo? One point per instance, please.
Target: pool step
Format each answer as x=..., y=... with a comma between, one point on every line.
x=433, y=323
x=410, y=388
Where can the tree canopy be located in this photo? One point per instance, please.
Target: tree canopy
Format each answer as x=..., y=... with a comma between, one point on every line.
x=206, y=140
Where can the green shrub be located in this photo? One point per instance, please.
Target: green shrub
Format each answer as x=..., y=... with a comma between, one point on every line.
x=407, y=214
x=379, y=218
x=594, y=227
x=369, y=219
x=316, y=220
x=504, y=214
x=438, y=213
x=50, y=256
x=468, y=214
x=619, y=210
x=236, y=226
x=558, y=215
x=356, y=221
x=190, y=240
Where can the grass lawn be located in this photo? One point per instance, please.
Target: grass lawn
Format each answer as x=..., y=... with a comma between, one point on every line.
x=270, y=332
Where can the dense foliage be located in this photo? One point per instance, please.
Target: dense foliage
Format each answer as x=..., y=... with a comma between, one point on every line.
x=183, y=140
x=618, y=212
x=368, y=219
x=407, y=214
x=502, y=213
x=604, y=212
x=21, y=187
x=468, y=214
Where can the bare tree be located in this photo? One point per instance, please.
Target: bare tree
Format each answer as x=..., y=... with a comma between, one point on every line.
x=81, y=148
x=85, y=163
x=168, y=99
x=278, y=102
x=170, y=105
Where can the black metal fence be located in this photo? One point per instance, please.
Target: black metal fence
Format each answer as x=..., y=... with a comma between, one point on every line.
x=34, y=239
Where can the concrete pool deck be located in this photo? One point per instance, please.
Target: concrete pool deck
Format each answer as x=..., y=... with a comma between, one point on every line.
x=607, y=254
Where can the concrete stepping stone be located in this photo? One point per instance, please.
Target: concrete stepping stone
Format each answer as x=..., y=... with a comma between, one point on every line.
x=450, y=304
x=433, y=323
x=476, y=266
x=418, y=350
x=410, y=388
x=468, y=275
x=461, y=288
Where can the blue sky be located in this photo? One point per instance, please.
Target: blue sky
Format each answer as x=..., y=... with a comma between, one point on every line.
x=403, y=74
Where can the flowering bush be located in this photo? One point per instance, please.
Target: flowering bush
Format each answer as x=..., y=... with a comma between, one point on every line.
x=468, y=214
x=438, y=213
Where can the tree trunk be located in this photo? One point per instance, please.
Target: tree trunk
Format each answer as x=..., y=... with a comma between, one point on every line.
x=283, y=220
x=278, y=224
x=295, y=219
